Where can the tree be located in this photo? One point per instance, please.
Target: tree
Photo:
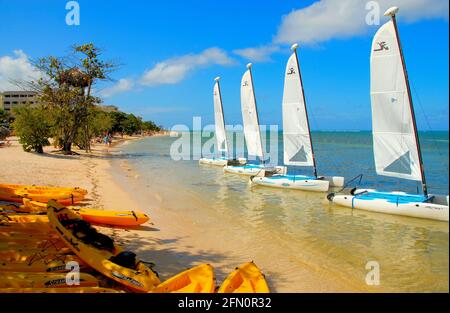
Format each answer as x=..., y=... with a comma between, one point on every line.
x=149, y=126
x=66, y=89
x=32, y=127
x=118, y=121
x=99, y=122
x=132, y=124
x=4, y=116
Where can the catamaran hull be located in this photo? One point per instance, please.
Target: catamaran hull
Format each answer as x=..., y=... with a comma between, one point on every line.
x=307, y=185
x=425, y=210
x=215, y=162
x=254, y=171
x=221, y=162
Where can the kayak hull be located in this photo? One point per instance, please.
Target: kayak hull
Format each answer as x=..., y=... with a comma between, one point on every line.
x=254, y=170
x=246, y=278
x=199, y=279
x=394, y=203
x=293, y=182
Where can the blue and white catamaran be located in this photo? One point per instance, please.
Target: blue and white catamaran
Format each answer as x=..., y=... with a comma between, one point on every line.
x=395, y=139
x=297, y=143
x=220, y=133
x=252, y=132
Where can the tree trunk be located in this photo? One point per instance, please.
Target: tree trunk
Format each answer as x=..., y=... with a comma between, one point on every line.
x=39, y=149
x=67, y=147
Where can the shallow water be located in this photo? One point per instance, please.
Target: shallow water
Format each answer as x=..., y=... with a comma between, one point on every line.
x=303, y=228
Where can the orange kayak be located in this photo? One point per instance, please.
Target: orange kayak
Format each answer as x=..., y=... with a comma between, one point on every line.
x=63, y=197
x=74, y=190
x=105, y=217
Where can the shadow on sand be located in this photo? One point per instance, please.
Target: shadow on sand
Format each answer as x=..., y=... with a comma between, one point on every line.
x=170, y=261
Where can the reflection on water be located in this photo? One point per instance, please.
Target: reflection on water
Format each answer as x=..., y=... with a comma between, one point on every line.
x=412, y=253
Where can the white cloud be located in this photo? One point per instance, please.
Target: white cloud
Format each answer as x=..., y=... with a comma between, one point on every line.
x=124, y=84
x=329, y=19
x=16, y=68
x=257, y=54
x=174, y=70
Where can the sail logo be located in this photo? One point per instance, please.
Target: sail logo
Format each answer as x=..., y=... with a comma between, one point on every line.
x=291, y=71
x=245, y=84
x=381, y=46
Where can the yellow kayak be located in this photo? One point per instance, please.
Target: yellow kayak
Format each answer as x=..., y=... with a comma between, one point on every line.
x=105, y=217
x=50, y=262
x=75, y=190
x=199, y=279
x=26, y=228
x=60, y=290
x=27, y=244
x=246, y=278
x=26, y=218
x=26, y=256
x=65, y=198
x=43, y=280
x=99, y=251
x=16, y=195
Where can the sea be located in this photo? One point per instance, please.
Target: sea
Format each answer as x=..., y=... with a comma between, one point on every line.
x=376, y=252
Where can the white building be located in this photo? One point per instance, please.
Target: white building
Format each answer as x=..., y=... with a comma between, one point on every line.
x=11, y=99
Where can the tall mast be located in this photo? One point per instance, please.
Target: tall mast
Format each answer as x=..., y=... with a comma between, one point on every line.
x=249, y=66
x=223, y=115
x=391, y=12
x=294, y=47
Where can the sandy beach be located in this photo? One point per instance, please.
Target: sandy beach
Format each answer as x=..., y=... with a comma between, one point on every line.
x=173, y=241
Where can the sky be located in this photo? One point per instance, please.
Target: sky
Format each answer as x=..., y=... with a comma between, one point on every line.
x=170, y=52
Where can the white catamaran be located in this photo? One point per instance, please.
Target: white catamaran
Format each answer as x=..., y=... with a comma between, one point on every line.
x=395, y=138
x=297, y=143
x=252, y=132
x=220, y=133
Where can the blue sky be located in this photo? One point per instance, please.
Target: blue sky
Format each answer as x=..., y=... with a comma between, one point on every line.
x=171, y=51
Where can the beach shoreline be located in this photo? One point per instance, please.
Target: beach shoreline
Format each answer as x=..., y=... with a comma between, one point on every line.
x=169, y=240
x=176, y=237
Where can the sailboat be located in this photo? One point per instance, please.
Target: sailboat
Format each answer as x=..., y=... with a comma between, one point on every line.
x=297, y=143
x=252, y=132
x=220, y=133
x=395, y=138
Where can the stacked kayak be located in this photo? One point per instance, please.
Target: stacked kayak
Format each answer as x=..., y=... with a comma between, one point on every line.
x=45, y=188
x=43, y=280
x=42, y=242
x=116, y=218
x=16, y=193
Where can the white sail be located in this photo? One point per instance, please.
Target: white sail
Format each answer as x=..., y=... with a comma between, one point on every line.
x=250, y=116
x=394, y=140
x=221, y=136
x=297, y=143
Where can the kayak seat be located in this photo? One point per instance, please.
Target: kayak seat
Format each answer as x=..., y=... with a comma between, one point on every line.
x=83, y=231
x=125, y=258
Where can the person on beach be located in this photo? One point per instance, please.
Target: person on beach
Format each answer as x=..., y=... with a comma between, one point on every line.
x=106, y=139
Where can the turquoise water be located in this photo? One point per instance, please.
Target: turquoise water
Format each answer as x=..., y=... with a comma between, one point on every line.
x=303, y=227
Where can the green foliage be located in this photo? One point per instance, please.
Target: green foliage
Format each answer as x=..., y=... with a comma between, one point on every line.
x=99, y=122
x=149, y=126
x=33, y=128
x=6, y=118
x=132, y=125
